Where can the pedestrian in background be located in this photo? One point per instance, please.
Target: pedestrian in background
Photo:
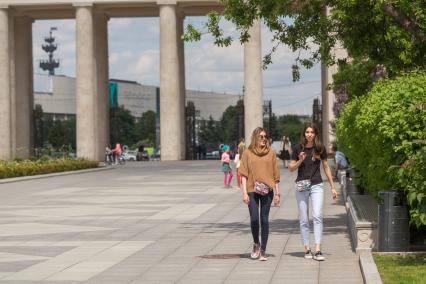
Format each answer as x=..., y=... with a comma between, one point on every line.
x=307, y=158
x=340, y=160
x=226, y=167
x=237, y=161
x=117, y=152
x=260, y=177
x=286, y=151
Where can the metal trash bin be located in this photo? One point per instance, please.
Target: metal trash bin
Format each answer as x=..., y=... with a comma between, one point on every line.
x=394, y=231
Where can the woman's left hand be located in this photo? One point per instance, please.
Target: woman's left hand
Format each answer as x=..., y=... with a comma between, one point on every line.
x=334, y=193
x=277, y=200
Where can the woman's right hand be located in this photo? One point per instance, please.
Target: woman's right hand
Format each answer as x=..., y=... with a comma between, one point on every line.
x=246, y=198
x=302, y=156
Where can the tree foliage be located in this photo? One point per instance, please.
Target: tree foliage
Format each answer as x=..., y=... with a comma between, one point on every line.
x=389, y=32
x=383, y=134
x=290, y=126
x=63, y=133
x=121, y=125
x=145, y=129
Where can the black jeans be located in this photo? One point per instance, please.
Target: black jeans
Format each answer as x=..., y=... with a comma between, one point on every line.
x=265, y=205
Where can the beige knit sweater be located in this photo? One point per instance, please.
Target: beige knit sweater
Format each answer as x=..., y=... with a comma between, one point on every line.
x=259, y=168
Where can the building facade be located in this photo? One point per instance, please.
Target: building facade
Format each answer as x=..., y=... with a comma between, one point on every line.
x=56, y=95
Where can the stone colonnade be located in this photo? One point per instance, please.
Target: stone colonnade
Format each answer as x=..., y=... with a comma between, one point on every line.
x=16, y=86
x=16, y=73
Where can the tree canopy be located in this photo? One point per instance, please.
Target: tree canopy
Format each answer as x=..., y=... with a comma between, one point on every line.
x=389, y=32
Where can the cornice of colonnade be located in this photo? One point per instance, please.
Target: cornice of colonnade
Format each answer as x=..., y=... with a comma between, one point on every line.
x=65, y=9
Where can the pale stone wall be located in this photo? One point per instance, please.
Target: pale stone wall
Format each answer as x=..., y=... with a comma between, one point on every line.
x=60, y=99
x=56, y=95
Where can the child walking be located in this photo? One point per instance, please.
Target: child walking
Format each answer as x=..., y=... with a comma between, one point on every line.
x=226, y=167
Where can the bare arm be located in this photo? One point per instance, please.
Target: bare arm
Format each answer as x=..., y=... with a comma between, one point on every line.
x=295, y=164
x=246, y=199
x=329, y=177
x=277, y=196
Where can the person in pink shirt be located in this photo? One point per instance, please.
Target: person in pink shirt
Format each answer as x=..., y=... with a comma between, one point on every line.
x=226, y=167
x=116, y=152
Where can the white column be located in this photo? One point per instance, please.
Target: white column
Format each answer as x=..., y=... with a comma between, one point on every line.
x=170, y=87
x=182, y=94
x=103, y=78
x=5, y=78
x=253, y=95
x=328, y=98
x=86, y=85
x=23, y=87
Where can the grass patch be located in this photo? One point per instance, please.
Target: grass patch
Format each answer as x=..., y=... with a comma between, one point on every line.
x=401, y=269
x=43, y=165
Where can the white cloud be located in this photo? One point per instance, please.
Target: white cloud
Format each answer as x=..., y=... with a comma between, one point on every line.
x=146, y=63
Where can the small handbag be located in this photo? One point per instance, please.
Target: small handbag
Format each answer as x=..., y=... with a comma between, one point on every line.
x=303, y=185
x=261, y=188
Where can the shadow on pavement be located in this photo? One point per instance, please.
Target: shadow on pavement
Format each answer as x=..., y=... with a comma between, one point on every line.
x=229, y=256
x=332, y=225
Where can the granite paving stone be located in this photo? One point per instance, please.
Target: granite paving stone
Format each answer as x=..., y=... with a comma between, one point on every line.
x=159, y=222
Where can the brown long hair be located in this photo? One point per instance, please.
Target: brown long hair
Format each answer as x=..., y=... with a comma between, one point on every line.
x=254, y=143
x=318, y=148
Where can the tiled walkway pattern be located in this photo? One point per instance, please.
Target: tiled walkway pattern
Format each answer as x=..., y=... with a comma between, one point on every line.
x=152, y=222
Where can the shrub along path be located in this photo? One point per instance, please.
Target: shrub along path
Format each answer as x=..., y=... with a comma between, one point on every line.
x=158, y=222
x=44, y=165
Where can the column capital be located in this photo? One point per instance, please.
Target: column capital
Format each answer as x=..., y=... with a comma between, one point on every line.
x=82, y=4
x=166, y=2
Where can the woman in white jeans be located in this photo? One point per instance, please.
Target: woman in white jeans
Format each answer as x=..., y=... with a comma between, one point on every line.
x=307, y=158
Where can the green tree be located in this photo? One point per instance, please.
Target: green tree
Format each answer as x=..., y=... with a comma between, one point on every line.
x=62, y=133
x=121, y=126
x=389, y=32
x=290, y=126
x=145, y=128
x=228, y=125
x=210, y=133
x=38, y=126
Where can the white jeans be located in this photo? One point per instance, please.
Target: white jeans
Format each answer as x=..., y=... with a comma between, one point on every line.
x=317, y=196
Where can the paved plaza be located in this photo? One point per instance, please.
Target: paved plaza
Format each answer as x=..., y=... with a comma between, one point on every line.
x=158, y=222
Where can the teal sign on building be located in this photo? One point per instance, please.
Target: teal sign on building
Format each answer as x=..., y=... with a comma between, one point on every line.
x=113, y=94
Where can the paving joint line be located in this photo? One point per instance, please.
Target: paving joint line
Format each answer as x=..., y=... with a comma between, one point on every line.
x=217, y=243
x=180, y=225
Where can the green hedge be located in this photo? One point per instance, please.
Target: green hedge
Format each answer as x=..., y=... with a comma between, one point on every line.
x=384, y=132
x=43, y=165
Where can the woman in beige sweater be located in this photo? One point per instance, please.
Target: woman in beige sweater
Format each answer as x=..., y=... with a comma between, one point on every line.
x=259, y=167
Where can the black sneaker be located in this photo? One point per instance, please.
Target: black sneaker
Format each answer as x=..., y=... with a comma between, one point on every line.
x=308, y=254
x=318, y=256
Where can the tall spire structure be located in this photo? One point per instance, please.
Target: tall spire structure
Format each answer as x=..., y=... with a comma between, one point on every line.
x=50, y=47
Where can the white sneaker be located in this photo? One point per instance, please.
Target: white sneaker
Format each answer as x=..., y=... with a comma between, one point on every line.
x=255, y=252
x=308, y=254
x=318, y=256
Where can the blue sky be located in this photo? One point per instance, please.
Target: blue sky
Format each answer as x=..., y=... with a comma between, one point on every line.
x=134, y=55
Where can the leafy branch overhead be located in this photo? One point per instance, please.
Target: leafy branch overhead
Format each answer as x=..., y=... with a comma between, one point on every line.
x=389, y=32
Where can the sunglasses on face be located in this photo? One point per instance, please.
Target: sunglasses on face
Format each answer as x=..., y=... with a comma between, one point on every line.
x=262, y=137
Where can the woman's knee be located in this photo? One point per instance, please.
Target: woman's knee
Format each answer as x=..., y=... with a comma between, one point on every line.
x=317, y=218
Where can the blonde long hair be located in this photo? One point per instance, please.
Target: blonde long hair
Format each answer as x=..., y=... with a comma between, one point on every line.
x=254, y=143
